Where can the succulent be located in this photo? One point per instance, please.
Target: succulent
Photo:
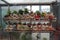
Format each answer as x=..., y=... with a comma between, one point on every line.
x=20, y=11
x=26, y=11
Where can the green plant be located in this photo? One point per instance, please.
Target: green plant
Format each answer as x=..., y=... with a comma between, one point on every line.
x=14, y=12
x=26, y=36
x=26, y=11
x=22, y=27
x=42, y=14
x=8, y=12
x=20, y=11
x=44, y=38
x=23, y=37
x=16, y=34
x=38, y=13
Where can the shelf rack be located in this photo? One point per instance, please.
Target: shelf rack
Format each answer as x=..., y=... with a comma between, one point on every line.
x=17, y=19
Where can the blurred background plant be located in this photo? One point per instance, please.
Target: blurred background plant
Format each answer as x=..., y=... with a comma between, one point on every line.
x=44, y=38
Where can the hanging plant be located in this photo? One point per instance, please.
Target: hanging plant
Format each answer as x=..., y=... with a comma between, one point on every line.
x=26, y=11
x=20, y=11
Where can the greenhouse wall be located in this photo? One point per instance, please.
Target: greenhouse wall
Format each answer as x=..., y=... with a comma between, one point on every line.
x=0, y=15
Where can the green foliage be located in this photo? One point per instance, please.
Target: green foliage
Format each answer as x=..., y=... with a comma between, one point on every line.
x=44, y=38
x=14, y=12
x=8, y=12
x=26, y=11
x=26, y=36
x=16, y=34
x=42, y=14
x=23, y=37
x=22, y=27
x=38, y=13
x=20, y=11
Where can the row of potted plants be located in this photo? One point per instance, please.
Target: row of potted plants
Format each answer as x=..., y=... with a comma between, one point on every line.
x=22, y=27
x=26, y=15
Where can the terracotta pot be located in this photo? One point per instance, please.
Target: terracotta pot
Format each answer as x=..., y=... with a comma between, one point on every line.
x=37, y=17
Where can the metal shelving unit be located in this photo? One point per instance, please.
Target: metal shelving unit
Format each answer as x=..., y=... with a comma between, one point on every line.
x=35, y=22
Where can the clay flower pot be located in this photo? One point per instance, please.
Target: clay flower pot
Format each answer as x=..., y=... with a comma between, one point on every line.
x=37, y=17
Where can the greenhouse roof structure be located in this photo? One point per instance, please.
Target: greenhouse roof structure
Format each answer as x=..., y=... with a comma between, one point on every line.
x=15, y=2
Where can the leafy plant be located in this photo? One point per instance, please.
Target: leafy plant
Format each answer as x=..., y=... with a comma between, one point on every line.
x=16, y=34
x=8, y=12
x=14, y=12
x=26, y=11
x=26, y=36
x=44, y=38
x=43, y=14
x=38, y=13
x=20, y=11
x=23, y=37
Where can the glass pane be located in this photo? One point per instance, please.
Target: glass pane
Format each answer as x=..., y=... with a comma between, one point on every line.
x=35, y=8
x=28, y=7
x=4, y=12
x=16, y=8
x=45, y=8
